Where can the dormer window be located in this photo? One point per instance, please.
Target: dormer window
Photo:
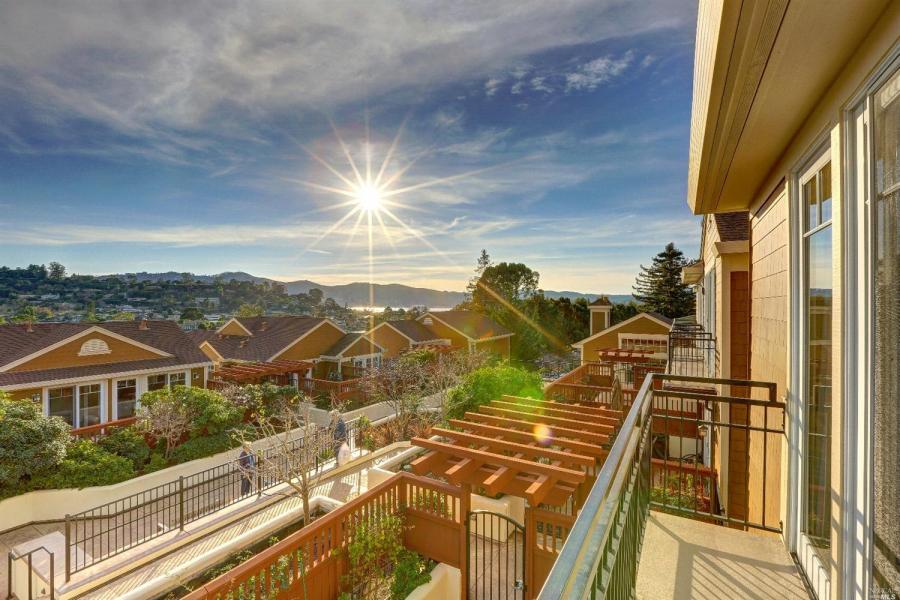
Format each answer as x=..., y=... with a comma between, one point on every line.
x=94, y=347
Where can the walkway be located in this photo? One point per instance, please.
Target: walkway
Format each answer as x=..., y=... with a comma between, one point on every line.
x=687, y=559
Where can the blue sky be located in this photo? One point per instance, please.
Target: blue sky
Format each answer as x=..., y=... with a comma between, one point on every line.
x=156, y=136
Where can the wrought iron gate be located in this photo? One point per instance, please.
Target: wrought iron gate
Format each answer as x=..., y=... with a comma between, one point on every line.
x=496, y=557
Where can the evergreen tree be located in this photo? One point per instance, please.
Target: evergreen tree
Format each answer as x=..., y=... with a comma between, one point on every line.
x=659, y=287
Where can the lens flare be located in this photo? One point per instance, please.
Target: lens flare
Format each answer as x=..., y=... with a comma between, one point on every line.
x=542, y=434
x=369, y=197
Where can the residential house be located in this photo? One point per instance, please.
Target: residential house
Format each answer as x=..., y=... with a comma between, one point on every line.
x=89, y=374
x=796, y=124
x=646, y=332
x=458, y=329
x=334, y=353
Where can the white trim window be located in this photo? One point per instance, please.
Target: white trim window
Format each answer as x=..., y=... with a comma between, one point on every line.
x=126, y=398
x=79, y=405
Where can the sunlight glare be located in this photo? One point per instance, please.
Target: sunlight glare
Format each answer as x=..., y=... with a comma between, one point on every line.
x=369, y=197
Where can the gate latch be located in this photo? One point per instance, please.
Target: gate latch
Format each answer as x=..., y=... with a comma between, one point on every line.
x=519, y=585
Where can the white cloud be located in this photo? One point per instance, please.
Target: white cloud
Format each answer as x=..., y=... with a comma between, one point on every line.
x=492, y=85
x=593, y=73
x=160, y=72
x=539, y=84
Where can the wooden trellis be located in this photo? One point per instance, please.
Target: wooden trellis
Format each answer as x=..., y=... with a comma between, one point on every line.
x=536, y=449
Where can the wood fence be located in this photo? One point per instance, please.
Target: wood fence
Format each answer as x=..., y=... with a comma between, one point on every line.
x=311, y=562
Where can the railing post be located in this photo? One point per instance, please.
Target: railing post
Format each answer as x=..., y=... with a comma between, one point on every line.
x=68, y=558
x=259, y=483
x=30, y=577
x=52, y=577
x=181, y=502
x=9, y=570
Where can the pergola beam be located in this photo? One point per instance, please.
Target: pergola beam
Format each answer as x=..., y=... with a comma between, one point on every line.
x=522, y=436
x=553, y=411
x=524, y=449
x=579, y=408
x=567, y=432
x=571, y=424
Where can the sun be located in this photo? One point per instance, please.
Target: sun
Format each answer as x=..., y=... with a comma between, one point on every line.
x=369, y=197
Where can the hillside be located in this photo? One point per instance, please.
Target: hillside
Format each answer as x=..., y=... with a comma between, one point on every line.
x=357, y=293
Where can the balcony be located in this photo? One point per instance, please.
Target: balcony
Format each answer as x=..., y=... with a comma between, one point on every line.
x=726, y=482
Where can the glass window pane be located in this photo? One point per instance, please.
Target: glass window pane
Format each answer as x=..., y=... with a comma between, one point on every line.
x=176, y=379
x=811, y=200
x=825, y=195
x=126, y=398
x=817, y=457
x=61, y=403
x=156, y=382
x=89, y=405
x=886, y=288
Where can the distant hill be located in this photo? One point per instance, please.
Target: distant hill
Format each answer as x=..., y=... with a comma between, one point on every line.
x=357, y=293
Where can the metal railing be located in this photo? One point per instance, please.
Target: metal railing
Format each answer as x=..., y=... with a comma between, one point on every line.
x=105, y=531
x=692, y=351
x=602, y=552
x=28, y=558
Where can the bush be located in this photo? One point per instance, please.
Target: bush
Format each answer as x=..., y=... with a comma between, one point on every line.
x=410, y=571
x=30, y=443
x=210, y=412
x=86, y=464
x=157, y=462
x=267, y=398
x=206, y=412
x=127, y=442
x=489, y=383
x=201, y=447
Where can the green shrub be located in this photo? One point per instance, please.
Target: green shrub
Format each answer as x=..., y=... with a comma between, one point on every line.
x=208, y=411
x=410, y=571
x=201, y=447
x=30, y=443
x=127, y=442
x=490, y=383
x=86, y=464
x=157, y=462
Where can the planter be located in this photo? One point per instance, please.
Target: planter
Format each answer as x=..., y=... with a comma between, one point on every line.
x=445, y=583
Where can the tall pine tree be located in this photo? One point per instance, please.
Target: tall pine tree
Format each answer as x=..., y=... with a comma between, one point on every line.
x=659, y=287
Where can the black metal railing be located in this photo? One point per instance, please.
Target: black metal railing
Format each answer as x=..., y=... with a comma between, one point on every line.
x=692, y=351
x=11, y=558
x=602, y=552
x=105, y=531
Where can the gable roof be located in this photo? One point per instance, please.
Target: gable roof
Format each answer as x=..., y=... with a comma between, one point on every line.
x=346, y=342
x=269, y=336
x=164, y=338
x=601, y=301
x=660, y=319
x=414, y=330
x=472, y=325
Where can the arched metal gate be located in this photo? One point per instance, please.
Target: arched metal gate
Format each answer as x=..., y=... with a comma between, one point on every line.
x=496, y=557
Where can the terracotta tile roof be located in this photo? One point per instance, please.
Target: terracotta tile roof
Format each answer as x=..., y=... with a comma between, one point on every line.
x=345, y=342
x=16, y=343
x=601, y=301
x=414, y=330
x=733, y=226
x=270, y=336
x=473, y=325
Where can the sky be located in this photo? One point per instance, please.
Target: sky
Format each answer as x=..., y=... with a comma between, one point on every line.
x=224, y=136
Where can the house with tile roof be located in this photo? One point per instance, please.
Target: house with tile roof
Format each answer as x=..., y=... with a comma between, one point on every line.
x=335, y=353
x=454, y=329
x=91, y=373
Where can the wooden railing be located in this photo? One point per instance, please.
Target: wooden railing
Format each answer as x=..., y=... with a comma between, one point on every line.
x=311, y=562
x=590, y=382
x=344, y=390
x=95, y=432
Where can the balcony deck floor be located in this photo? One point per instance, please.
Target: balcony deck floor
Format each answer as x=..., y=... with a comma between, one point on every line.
x=684, y=558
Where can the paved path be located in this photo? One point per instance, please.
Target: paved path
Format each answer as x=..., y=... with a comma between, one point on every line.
x=687, y=559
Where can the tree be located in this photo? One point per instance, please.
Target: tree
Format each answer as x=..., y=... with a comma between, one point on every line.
x=623, y=312
x=402, y=384
x=57, y=271
x=249, y=310
x=164, y=417
x=659, y=287
x=26, y=314
x=30, y=443
x=191, y=313
x=290, y=449
x=316, y=295
x=123, y=316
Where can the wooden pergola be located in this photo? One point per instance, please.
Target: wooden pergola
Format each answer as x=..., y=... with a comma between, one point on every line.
x=617, y=355
x=536, y=449
x=255, y=372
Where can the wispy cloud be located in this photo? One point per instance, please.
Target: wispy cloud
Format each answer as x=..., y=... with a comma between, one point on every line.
x=593, y=73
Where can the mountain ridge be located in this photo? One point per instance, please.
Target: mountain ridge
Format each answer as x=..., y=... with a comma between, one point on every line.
x=356, y=293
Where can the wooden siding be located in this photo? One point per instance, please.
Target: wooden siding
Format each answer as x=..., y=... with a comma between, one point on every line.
x=644, y=325
x=394, y=343
x=233, y=328
x=314, y=344
x=24, y=394
x=739, y=468
x=361, y=347
x=499, y=347
x=67, y=354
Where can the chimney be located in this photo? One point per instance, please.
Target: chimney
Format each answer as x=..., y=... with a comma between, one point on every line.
x=601, y=314
x=263, y=326
x=144, y=325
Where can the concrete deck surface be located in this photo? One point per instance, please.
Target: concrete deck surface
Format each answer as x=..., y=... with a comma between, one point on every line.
x=688, y=559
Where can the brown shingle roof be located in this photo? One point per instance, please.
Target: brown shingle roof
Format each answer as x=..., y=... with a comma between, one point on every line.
x=414, y=330
x=473, y=325
x=733, y=226
x=17, y=343
x=270, y=336
x=601, y=301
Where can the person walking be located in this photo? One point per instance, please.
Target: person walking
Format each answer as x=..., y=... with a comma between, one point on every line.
x=247, y=465
x=338, y=435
